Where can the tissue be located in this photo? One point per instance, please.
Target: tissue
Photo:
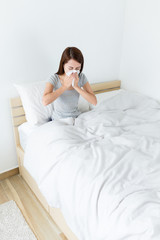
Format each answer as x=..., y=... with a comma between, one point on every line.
x=70, y=72
x=73, y=82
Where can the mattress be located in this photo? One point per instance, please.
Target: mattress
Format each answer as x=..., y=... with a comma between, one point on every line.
x=103, y=172
x=25, y=131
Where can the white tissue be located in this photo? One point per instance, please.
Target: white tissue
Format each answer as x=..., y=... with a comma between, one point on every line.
x=72, y=71
x=73, y=82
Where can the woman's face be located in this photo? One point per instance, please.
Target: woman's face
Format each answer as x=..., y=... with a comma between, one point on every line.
x=72, y=65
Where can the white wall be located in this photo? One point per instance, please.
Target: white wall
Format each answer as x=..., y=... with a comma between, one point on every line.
x=33, y=35
x=140, y=62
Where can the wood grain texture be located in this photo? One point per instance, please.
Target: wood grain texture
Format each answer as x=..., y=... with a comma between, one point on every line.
x=44, y=228
x=106, y=86
x=9, y=173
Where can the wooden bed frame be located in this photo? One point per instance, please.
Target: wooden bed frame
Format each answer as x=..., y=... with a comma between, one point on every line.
x=18, y=117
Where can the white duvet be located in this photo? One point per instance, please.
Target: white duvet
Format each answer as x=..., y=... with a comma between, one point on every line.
x=103, y=172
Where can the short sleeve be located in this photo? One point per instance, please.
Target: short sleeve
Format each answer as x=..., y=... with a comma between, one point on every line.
x=83, y=80
x=53, y=80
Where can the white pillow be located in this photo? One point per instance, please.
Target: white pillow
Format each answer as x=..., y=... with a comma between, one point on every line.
x=31, y=97
x=103, y=96
x=83, y=104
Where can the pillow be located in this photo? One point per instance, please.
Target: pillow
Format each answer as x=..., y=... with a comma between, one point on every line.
x=103, y=96
x=83, y=104
x=31, y=97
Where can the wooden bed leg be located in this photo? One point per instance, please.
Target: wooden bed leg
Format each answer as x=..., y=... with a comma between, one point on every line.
x=63, y=237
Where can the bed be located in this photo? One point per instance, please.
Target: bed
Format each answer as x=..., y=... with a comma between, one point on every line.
x=18, y=118
x=101, y=174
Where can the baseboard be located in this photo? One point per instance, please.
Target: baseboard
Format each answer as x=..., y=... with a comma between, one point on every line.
x=9, y=173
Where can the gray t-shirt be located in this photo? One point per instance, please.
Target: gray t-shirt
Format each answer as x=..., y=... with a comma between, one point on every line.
x=66, y=105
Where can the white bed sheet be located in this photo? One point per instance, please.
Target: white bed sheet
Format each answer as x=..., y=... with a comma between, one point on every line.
x=104, y=171
x=26, y=128
x=24, y=131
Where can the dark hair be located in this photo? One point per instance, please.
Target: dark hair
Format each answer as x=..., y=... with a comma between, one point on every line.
x=70, y=53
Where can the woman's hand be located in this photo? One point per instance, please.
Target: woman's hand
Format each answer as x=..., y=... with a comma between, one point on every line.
x=67, y=82
x=76, y=79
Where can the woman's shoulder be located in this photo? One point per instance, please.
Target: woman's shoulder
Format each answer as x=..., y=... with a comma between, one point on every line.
x=82, y=79
x=81, y=75
x=53, y=79
x=54, y=76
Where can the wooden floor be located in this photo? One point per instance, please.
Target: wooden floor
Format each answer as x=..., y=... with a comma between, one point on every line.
x=15, y=188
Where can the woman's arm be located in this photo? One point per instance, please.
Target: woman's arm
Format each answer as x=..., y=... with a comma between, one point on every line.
x=49, y=96
x=87, y=93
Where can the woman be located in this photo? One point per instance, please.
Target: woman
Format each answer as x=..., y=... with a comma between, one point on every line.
x=67, y=88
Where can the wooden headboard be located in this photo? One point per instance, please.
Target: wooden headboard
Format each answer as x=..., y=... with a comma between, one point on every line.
x=18, y=114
